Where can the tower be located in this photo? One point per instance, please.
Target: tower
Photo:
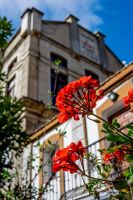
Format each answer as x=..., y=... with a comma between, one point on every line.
x=31, y=53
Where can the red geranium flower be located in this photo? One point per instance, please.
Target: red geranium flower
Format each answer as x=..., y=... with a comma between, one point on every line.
x=65, y=167
x=127, y=100
x=65, y=158
x=63, y=117
x=108, y=157
x=78, y=148
x=117, y=155
x=78, y=97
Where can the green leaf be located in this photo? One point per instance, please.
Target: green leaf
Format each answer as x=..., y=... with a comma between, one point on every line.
x=57, y=62
x=115, y=123
x=63, y=133
x=38, y=144
x=103, y=175
x=106, y=126
x=92, y=184
x=5, y=31
x=115, y=138
x=129, y=127
x=130, y=133
x=131, y=178
x=49, y=141
x=129, y=158
x=101, y=150
x=5, y=174
x=98, y=168
x=121, y=184
x=110, y=150
x=106, y=168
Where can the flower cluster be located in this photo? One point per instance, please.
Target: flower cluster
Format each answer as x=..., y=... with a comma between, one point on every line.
x=78, y=97
x=117, y=155
x=65, y=158
x=128, y=100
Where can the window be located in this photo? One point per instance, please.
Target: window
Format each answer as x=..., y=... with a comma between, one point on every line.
x=58, y=81
x=90, y=73
x=124, y=118
x=47, y=169
x=12, y=64
x=55, y=57
x=11, y=87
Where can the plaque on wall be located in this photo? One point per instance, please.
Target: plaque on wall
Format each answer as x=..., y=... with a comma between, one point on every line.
x=88, y=47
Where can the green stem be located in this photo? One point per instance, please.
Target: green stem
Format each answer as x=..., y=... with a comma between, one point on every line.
x=84, y=182
x=118, y=130
x=100, y=179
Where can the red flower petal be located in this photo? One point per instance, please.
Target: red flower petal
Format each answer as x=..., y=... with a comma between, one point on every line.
x=78, y=98
x=126, y=101
x=76, y=117
x=65, y=158
x=63, y=117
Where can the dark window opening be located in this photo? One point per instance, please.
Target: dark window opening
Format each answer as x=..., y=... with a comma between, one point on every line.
x=90, y=73
x=11, y=87
x=55, y=57
x=58, y=81
x=12, y=64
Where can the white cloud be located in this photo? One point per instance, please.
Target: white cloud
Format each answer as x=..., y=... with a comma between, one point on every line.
x=85, y=10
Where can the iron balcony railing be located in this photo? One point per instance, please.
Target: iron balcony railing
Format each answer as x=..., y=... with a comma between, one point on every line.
x=73, y=183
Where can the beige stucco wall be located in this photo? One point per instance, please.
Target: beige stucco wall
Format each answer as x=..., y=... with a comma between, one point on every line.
x=91, y=40
x=21, y=67
x=57, y=32
x=76, y=67
x=114, y=65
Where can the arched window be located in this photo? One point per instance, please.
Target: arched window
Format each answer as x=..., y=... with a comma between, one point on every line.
x=90, y=73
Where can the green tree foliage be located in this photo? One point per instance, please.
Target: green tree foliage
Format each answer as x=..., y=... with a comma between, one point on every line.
x=12, y=137
x=5, y=31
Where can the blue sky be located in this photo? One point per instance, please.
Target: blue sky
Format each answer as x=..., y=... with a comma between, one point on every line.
x=113, y=18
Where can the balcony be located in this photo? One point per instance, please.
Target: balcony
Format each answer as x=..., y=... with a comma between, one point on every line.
x=73, y=184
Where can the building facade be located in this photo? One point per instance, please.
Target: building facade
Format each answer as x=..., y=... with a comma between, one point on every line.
x=29, y=61
x=63, y=185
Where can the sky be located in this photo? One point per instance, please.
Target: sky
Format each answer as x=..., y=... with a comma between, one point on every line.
x=113, y=18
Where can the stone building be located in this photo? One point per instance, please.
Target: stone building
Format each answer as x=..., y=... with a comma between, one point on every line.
x=30, y=55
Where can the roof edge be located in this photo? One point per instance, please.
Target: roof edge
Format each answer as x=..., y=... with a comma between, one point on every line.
x=30, y=10
x=109, y=49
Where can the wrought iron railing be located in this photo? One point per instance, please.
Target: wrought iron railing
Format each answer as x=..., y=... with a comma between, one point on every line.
x=73, y=183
